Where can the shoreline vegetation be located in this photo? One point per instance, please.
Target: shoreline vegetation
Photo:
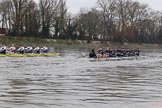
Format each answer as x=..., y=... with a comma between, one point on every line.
x=110, y=20
x=60, y=43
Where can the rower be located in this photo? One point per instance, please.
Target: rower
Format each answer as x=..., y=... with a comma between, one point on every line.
x=107, y=53
x=37, y=50
x=12, y=49
x=45, y=49
x=112, y=53
x=92, y=54
x=29, y=49
x=118, y=52
x=124, y=52
x=100, y=53
x=127, y=52
x=21, y=50
x=3, y=49
x=137, y=52
x=131, y=53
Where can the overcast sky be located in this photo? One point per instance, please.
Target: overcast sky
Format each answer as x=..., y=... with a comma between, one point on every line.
x=75, y=5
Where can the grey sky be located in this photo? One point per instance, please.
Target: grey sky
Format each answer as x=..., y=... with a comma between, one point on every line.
x=75, y=5
x=154, y=4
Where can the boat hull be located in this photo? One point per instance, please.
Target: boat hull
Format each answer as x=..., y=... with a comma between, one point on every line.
x=31, y=55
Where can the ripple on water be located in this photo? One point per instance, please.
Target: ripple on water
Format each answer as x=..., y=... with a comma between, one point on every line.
x=72, y=82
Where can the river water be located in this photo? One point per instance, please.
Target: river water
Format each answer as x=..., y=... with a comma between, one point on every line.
x=71, y=81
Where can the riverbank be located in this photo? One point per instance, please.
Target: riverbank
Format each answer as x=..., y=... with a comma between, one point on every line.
x=25, y=41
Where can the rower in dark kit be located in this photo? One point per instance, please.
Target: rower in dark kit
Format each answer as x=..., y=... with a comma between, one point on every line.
x=92, y=54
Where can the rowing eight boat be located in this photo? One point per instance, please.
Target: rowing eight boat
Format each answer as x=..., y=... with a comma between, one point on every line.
x=31, y=55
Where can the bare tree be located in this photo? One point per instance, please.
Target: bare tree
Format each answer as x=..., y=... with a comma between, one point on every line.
x=5, y=7
x=50, y=10
x=107, y=14
x=18, y=11
x=89, y=24
x=32, y=20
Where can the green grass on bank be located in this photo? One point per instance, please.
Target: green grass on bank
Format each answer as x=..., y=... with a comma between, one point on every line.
x=25, y=41
x=8, y=40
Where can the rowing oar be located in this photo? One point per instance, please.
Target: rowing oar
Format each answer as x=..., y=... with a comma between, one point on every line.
x=83, y=54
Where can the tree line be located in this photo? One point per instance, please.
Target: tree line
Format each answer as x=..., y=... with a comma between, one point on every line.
x=110, y=20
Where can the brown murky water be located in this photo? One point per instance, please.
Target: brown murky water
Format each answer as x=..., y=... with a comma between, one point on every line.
x=73, y=82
